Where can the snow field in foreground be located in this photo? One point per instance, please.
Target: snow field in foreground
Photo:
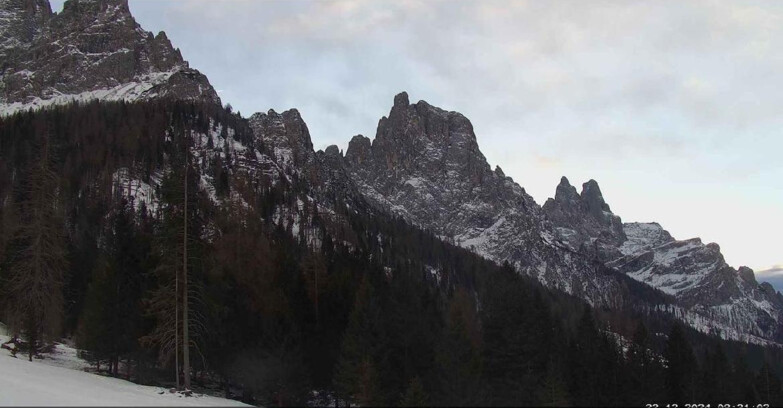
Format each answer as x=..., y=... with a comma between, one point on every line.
x=49, y=382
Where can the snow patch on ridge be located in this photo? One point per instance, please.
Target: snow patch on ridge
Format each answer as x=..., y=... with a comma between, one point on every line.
x=144, y=87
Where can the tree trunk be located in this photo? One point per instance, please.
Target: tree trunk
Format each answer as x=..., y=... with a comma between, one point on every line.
x=185, y=321
x=176, y=328
x=128, y=370
x=31, y=345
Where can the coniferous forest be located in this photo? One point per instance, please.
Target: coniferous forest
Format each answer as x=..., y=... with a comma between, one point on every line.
x=204, y=288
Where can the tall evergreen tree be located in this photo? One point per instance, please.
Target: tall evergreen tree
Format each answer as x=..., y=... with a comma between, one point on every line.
x=716, y=376
x=584, y=357
x=517, y=332
x=414, y=396
x=178, y=301
x=34, y=288
x=459, y=363
x=681, y=370
x=554, y=390
x=112, y=318
x=644, y=380
x=768, y=385
x=362, y=354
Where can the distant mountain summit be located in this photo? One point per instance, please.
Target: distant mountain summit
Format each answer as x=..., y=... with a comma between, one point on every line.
x=93, y=49
x=585, y=221
x=693, y=273
x=425, y=165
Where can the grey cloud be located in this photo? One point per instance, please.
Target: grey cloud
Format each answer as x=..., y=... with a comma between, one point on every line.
x=774, y=270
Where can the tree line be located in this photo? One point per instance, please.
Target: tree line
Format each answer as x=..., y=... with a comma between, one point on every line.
x=378, y=313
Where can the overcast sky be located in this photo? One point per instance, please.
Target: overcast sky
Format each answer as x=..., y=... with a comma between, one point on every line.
x=675, y=108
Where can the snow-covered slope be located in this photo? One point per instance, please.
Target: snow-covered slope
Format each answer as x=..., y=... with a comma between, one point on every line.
x=24, y=383
x=711, y=295
x=58, y=380
x=699, y=277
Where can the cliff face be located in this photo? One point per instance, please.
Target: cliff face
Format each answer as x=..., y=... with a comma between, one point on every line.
x=695, y=274
x=93, y=49
x=584, y=221
x=425, y=165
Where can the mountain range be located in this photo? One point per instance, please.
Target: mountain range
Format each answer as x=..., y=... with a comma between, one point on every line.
x=424, y=165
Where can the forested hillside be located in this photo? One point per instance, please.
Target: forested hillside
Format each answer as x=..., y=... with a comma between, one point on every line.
x=122, y=224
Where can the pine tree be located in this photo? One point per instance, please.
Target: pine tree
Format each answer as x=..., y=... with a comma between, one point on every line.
x=644, y=372
x=314, y=270
x=554, y=390
x=459, y=363
x=34, y=288
x=362, y=348
x=179, y=286
x=414, y=396
x=112, y=316
x=768, y=385
x=585, y=359
x=517, y=334
x=716, y=376
x=681, y=368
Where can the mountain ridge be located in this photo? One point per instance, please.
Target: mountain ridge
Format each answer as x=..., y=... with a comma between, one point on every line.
x=424, y=165
x=92, y=49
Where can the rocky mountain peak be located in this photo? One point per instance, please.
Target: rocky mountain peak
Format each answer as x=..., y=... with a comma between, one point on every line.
x=359, y=150
x=401, y=100
x=592, y=197
x=422, y=137
x=286, y=134
x=584, y=220
x=425, y=165
x=566, y=194
x=333, y=150
x=93, y=49
x=747, y=274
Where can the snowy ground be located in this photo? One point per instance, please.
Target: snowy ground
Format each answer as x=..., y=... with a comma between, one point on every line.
x=58, y=380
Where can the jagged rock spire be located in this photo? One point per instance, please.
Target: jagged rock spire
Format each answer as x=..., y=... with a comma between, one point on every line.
x=565, y=192
x=592, y=197
x=584, y=217
x=286, y=134
x=359, y=150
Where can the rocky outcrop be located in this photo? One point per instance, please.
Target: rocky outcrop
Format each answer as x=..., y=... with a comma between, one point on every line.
x=21, y=23
x=425, y=165
x=695, y=274
x=286, y=135
x=321, y=174
x=93, y=49
x=584, y=221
